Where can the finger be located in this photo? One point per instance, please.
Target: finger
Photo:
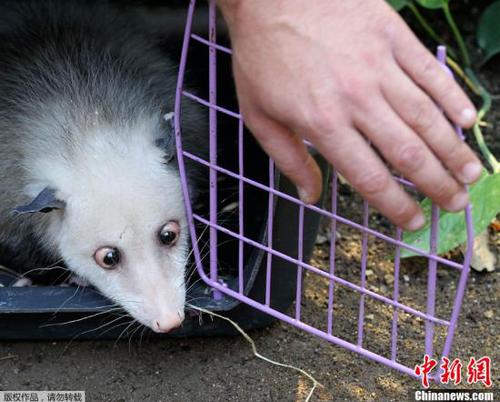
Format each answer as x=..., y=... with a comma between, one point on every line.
x=290, y=156
x=422, y=115
x=410, y=156
x=349, y=152
x=426, y=71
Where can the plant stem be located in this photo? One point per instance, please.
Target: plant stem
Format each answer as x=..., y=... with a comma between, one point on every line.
x=458, y=71
x=430, y=31
x=458, y=36
x=476, y=129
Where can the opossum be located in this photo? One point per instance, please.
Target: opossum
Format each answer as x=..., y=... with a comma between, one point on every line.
x=87, y=154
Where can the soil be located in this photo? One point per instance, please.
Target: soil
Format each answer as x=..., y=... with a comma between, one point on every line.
x=223, y=368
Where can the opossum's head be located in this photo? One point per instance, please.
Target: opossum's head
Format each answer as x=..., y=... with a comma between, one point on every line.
x=122, y=226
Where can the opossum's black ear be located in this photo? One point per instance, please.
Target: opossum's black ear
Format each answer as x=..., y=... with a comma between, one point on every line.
x=167, y=143
x=45, y=201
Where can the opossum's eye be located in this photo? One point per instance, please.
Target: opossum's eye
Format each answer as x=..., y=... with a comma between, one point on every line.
x=107, y=257
x=169, y=233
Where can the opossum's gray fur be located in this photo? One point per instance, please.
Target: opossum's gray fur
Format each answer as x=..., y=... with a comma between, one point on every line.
x=60, y=61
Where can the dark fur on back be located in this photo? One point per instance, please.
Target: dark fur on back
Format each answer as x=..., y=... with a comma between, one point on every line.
x=79, y=57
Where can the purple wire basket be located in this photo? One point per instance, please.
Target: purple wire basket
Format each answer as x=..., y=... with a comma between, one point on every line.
x=209, y=270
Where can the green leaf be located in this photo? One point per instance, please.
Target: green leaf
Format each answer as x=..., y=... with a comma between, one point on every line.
x=485, y=199
x=398, y=5
x=488, y=31
x=433, y=4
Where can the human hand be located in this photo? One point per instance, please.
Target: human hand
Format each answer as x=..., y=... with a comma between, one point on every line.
x=339, y=73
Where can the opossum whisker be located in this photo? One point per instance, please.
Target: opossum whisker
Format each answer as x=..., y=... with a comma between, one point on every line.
x=49, y=268
x=119, y=301
x=10, y=272
x=113, y=327
x=197, y=242
x=191, y=285
x=142, y=334
x=130, y=323
x=204, y=255
x=122, y=313
x=132, y=335
x=58, y=324
x=57, y=280
x=188, y=300
x=89, y=330
x=192, y=300
x=67, y=300
x=193, y=268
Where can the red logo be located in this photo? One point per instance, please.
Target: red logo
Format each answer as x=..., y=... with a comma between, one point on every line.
x=451, y=371
x=479, y=371
x=425, y=369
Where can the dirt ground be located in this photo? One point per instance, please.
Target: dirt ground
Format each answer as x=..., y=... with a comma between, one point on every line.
x=216, y=369
x=223, y=368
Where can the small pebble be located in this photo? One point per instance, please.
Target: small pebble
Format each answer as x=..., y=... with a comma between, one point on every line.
x=406, y=278
x=388, y=279
x=489, y=314
x=321, y=239
x=369, y=272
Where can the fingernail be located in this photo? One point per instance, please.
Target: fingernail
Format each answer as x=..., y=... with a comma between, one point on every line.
x=416, y=222
x=468, y=116
x=471, y=172
x=458, y=202
x=304, y=195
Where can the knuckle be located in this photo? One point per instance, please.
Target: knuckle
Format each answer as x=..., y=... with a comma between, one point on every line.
x=429, y=67
x=410, y=157
x=442, y=191
x=390, y=27
x=355, y=89
x=372, y=183
x=456, y=150
x=295, y=168
x=447, y=87
x=423, y=115
x=321, y=120
x=403, y=212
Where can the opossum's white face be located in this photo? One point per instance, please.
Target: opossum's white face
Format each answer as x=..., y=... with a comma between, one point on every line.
x=124, y=230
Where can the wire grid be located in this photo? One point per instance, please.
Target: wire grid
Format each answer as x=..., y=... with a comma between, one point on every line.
x=429, y=316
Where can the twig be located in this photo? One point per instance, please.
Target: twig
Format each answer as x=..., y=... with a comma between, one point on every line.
x=476, y=129
x=430, y=31
x=458, y=71
x=257, y=354
x=457, y=34
x=8, y=357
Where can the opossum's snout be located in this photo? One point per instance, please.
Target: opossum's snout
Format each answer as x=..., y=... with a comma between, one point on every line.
x=167, y=323
x=147, y=280
x=161, y=298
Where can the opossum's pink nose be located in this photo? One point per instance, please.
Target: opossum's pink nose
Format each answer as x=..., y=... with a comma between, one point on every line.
x=166, y=325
